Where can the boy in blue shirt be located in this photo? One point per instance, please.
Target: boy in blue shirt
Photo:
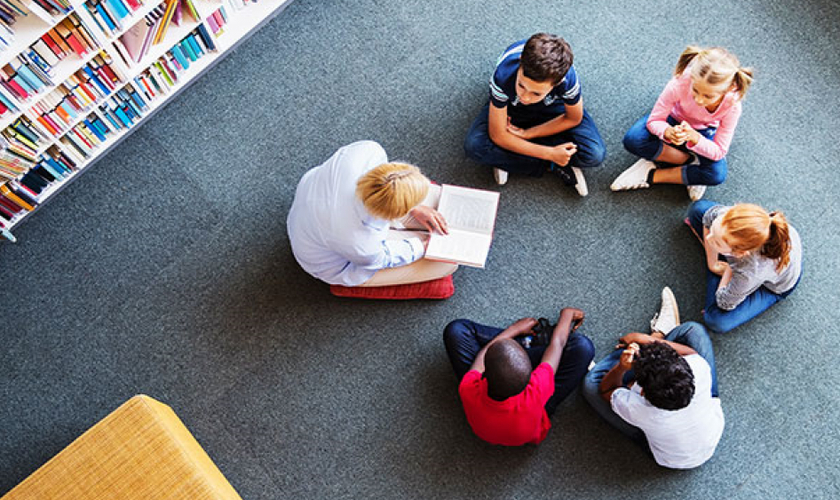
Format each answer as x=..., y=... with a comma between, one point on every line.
x=535, y=119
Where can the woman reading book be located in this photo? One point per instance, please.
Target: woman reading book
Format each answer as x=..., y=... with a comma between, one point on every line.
x=355, y=219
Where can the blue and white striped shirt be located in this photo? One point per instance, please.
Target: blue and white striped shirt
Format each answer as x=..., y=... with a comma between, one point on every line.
x=503, y=90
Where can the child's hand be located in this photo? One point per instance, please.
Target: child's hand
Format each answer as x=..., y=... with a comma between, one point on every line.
x=626, y=360
x=674, y=135
x=563, y=153
x=518, y=132
x=719, y=267
x=689, y=134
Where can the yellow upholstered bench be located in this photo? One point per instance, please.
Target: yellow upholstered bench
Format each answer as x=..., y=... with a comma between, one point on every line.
x=141, y=451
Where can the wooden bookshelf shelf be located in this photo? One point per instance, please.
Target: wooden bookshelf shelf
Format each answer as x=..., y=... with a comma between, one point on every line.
x=83, y=138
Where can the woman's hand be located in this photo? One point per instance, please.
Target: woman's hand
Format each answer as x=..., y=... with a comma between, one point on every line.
x=430, y=218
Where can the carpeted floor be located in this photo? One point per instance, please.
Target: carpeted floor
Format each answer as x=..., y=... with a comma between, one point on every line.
x=166, y=269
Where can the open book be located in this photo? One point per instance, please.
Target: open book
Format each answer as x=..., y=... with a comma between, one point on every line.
x=471, y=215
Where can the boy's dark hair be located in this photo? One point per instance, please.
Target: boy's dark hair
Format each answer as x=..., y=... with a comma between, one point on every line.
x=507, y=369
x=546, y=58
x=664, y=375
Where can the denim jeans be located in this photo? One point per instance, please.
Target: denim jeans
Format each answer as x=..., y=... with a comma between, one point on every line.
x=464, y=339
x=692, y=334
x=639, y=141
x=591, y=149
x=720, y=320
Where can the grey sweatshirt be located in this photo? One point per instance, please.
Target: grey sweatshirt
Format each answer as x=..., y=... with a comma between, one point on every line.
x=754, y=270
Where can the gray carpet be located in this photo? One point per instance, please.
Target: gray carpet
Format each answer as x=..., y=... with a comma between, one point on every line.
x=166, y=269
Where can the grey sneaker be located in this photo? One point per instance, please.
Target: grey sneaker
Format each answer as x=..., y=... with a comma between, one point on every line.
x=668, y=316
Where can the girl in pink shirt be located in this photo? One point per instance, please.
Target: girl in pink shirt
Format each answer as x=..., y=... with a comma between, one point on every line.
x=691, y=125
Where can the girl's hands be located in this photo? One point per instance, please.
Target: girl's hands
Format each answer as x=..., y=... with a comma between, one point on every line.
x=674, y=135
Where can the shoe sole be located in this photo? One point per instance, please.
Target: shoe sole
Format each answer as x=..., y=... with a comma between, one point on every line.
x=670, y=293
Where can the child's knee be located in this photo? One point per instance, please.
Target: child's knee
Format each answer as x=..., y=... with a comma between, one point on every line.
x=581, y=347
x=718, y=321
x=716, y=176
x=594, y=155
x=455, y=329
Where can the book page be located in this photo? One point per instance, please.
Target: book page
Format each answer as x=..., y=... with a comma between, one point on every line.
x=463, y=247
x=469, y=209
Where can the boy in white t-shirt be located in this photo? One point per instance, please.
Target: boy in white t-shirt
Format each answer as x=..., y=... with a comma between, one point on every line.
x=661, y=390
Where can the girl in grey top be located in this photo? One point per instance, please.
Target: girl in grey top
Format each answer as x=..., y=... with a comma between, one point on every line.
x=754, y=260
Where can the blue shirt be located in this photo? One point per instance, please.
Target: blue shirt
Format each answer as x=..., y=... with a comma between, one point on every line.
x=503, y=91
x=333, y=236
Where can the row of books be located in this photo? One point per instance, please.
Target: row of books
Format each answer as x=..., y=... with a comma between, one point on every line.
x=54, y=7
x=217, y=20
x=16, y=158
x=61, y=107
x=9, y=12
x=30, y=72
x=70, y=36
x=85, y=137
x=22, y=195
x=135, y=43
x=22, y=132
x=159, y=78
x=110, y=15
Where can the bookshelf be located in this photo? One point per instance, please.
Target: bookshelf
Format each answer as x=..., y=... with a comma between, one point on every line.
x=88, y=101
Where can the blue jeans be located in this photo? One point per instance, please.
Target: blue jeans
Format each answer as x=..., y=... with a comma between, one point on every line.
x=639, y=141
x=591, y=149
x=692, y=334
x=464, y=338
x=720, y=320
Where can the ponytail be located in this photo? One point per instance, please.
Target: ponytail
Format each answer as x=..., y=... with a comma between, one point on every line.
x=742, y=79
x=777, y=246
x=686, y=57
x=749, y=228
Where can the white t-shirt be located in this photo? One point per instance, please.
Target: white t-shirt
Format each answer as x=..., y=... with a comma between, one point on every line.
x=679, y=439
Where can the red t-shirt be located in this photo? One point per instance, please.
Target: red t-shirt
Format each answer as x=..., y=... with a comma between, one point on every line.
x=519, y=419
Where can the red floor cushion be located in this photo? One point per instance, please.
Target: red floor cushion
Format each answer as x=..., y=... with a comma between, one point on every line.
x=442, y=288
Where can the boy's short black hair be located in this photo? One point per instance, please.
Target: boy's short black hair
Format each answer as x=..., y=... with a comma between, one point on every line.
x=664, y=375
x=546, y=58
x=507, y=369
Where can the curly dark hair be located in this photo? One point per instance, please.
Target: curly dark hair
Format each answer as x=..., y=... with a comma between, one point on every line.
x=546, y=58
x=664, y=375
x=507, y=369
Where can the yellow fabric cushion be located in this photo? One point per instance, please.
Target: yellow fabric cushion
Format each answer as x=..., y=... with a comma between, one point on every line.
x=141, y=451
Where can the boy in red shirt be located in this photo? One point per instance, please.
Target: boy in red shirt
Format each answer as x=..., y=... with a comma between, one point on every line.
x=505, y=402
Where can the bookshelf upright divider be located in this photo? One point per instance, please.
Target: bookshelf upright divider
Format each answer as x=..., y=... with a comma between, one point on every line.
x=76, y=79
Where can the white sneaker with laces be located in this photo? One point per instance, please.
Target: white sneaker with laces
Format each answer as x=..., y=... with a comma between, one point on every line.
x=501, y=176
x=634, y=177
x=580, y=184
x=668, y=316
x=696, y=192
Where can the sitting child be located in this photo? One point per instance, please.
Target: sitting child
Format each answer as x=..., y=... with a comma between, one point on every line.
x=754, y=260
x=661, y=390
x=691, y=126
x=535, y=119
x=505, y=402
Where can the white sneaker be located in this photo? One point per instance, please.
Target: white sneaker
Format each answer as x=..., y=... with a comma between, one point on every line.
x=580, y=184
x=634, y=177
x=501, y=176
x=668, y=316
x=696, y=192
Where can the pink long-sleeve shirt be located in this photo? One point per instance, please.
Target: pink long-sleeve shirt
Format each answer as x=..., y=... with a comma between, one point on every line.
x=676, y=100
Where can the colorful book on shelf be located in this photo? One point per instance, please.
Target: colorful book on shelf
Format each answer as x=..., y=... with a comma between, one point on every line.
x=166, y=21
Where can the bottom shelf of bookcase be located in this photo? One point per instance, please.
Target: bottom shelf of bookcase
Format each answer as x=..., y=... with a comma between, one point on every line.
x=252, y=18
